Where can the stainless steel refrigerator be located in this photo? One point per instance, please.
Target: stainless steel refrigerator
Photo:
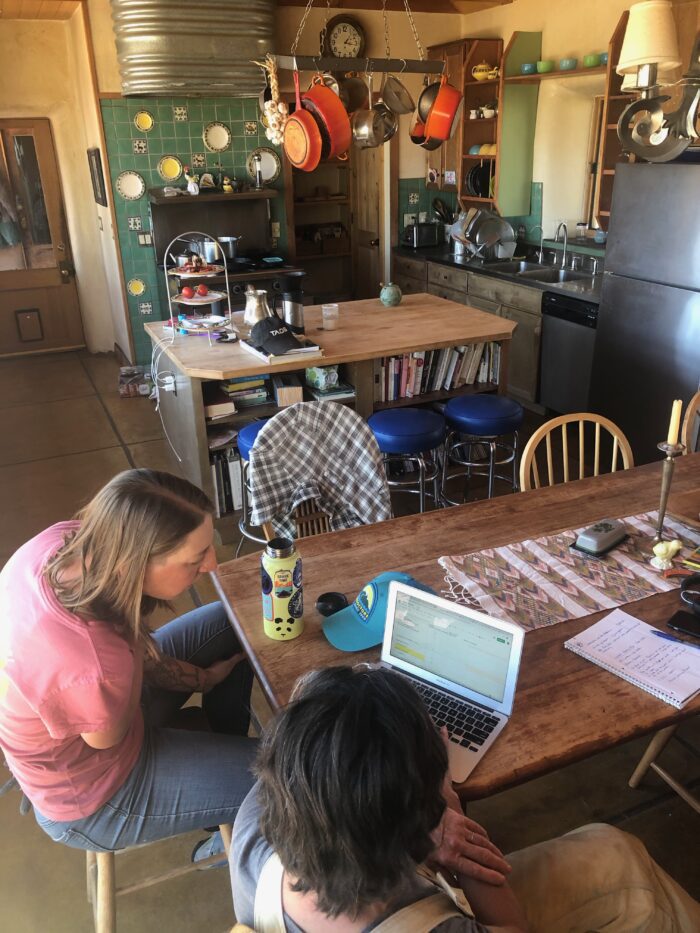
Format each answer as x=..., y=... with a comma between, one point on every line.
x=647, y=350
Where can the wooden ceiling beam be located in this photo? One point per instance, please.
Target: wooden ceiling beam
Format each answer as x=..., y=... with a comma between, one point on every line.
x=417, y=6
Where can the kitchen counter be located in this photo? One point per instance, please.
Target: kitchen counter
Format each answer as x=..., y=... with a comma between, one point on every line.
x=443, y=255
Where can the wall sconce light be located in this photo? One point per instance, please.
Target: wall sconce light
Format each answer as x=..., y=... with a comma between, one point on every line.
x=649, y=49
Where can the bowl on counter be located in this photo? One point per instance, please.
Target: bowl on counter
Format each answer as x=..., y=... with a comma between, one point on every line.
x=567, y=64
x=592, y=60
x=545, y=66
x=528, y=68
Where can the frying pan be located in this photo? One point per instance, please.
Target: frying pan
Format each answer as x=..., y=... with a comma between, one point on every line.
x=331, y=115
x=427, y=99
x=302, y=136
x=355, y=90
x=443, y=111
x=417, y=134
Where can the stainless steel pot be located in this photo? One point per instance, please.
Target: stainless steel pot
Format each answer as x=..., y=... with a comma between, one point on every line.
x=209, y=249
x=368, y=124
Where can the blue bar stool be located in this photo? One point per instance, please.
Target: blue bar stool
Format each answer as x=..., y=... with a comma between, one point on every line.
x=246, y=439
x=412, y=434
x=483, y=420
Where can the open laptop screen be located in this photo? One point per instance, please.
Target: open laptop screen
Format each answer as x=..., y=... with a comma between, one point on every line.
x=452, y=645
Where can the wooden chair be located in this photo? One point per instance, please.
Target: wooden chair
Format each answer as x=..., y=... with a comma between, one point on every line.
x=102, y=889
x=529, y=468
x=648, y=760
x=309, y=520
x=690, y=429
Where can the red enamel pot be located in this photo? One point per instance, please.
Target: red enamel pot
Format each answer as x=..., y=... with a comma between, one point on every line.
x=302, y=136
x=328, y=109
x=443, y=111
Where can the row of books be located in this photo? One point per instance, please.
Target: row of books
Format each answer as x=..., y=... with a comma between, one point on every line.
x=226, y=478
x=414, y=374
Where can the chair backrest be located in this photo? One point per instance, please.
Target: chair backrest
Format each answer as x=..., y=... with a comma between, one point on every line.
x=559, y=450
x=690, y=430
x=316, y=449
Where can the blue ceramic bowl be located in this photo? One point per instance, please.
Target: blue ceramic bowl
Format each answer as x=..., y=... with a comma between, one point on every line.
x=474, y=150
x=567, y=64
x=603, y=58
x=529, y=68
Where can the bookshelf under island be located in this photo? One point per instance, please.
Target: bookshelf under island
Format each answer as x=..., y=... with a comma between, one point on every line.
x=367, y=333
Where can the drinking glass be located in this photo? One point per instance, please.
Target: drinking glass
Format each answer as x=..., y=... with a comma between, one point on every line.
x=329, y=313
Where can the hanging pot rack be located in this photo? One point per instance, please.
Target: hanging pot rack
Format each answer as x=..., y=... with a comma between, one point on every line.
x=321, y=62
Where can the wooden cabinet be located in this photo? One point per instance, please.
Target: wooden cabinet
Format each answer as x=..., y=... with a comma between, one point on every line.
x=504, y=292
x=524, y=359
x=410, y=275
x=443, y=164
x=447, y=276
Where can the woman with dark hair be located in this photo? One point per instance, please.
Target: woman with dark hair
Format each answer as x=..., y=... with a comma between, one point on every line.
x=353, y=797
x=87, y=690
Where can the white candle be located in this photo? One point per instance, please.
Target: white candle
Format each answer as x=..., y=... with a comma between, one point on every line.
x=675, y=422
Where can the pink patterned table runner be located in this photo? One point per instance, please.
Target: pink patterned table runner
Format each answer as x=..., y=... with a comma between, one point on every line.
x=542, y=581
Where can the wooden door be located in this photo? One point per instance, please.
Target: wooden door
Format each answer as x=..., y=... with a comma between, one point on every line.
x=368, y=245
x=39, y=307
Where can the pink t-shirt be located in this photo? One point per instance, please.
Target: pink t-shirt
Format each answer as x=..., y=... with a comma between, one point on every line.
x=59, y=677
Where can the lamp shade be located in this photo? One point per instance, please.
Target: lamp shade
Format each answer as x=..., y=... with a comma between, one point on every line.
x=650, y=38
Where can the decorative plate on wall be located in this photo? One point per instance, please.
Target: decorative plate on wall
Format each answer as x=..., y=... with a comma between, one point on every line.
x=130, y=186
x=270, y=164
x=144, y=121
x=216, y=136
x=136, y=287
x=170, y=168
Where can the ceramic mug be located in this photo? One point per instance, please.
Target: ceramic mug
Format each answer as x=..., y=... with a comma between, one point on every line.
x=488, y=113
x=603, y=58
x=528, y=68
x=592, y=60
x=543, y=67
x=567, y=64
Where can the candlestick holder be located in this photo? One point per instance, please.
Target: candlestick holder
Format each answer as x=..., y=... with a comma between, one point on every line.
x=672, y=451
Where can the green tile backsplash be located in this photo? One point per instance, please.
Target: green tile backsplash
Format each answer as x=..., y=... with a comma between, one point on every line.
x=416, y=198
x=178, y=127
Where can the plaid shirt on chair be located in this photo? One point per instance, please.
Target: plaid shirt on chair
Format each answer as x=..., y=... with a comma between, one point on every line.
x=317, y=450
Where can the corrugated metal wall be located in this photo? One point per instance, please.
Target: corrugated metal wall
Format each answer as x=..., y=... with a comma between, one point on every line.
x=192, y=49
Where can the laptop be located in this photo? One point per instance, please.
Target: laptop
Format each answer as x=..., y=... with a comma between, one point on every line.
x=463, y=663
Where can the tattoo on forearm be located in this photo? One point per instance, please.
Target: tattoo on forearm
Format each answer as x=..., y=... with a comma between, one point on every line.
x=171, y=674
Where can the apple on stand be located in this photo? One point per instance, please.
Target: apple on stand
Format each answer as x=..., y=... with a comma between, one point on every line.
x=187, y=292
x=202, y=290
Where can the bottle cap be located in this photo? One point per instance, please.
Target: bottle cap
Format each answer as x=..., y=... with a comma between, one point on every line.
x=279, y=547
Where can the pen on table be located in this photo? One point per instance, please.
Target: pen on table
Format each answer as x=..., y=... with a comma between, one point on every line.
x=668, y=637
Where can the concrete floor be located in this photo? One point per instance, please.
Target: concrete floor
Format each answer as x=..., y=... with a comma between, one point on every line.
x=65, y=433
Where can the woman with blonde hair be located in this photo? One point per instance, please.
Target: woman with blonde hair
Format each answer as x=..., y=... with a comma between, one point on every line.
x=87, y=690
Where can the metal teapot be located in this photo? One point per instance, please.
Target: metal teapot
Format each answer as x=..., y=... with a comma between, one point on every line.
x=256, y=306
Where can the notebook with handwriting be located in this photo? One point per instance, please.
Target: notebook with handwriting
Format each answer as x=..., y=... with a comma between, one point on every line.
x=627, y=647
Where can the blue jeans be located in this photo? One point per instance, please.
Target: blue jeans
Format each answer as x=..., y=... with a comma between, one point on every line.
x=182, y=780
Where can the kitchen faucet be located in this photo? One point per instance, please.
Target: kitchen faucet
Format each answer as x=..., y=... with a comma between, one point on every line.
x=540, y=254
x=566, y=240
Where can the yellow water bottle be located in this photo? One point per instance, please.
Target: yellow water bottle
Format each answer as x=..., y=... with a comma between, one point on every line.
x=282, y=590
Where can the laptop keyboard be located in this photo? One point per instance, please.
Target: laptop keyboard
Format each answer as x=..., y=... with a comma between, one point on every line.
x=466, y=725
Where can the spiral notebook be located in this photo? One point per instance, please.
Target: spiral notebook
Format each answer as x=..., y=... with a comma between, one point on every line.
x=669, y=670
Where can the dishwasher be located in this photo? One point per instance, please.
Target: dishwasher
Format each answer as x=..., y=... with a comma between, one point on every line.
x=568, y=341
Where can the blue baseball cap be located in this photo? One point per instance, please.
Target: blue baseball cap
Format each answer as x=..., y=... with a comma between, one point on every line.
x=361, y=625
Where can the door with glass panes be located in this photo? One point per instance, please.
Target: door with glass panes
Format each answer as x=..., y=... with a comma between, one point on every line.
x=39, y=307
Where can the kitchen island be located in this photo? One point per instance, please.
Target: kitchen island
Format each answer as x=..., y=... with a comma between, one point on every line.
x=366, y=332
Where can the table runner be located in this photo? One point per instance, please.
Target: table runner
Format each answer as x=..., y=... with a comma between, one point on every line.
x=542, y=581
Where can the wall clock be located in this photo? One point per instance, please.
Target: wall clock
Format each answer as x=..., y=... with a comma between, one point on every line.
x=345, y=37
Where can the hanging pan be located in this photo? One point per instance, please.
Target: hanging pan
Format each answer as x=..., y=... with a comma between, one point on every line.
x=331, y=115
x=302, y=136
x=444, y=109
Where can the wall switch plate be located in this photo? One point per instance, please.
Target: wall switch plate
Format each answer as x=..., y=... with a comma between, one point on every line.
x=275, y=229
x=423, y=217
x=409, y=219
x=145, y=239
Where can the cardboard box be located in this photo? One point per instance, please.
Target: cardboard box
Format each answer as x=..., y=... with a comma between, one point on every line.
x=134, y=381
x=287, y=388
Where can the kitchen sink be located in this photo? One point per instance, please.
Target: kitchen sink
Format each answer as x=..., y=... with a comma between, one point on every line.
x=554, y=276
x=514, y=266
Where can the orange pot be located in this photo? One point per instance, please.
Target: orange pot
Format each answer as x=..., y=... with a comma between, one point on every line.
x=443, y=112
x=329, y=110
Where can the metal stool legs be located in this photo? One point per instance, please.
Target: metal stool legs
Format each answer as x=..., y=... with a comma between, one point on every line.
x=428, y=472
x=458, y=449
x=243, y=525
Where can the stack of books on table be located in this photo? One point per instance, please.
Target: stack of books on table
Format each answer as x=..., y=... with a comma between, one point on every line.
x=414, y=374
x=247, y=391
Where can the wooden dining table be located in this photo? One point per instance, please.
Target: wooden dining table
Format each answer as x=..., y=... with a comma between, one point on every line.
x=566, y=708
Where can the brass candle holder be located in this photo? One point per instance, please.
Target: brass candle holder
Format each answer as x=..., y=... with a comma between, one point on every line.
x=672, y=451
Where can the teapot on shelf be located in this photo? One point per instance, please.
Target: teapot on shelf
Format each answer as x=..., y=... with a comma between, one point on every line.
x=482, y=72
